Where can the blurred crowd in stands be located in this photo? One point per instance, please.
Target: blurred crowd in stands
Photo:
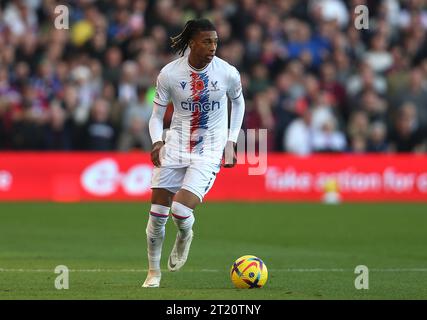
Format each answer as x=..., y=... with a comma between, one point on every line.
x=314, y=80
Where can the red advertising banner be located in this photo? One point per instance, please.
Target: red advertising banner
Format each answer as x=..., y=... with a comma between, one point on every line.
x=274, y=177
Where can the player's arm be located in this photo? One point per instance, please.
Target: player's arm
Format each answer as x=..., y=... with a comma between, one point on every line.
x=236, y=119
x=155, y=124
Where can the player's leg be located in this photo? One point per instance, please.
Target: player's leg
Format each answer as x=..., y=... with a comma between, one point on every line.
x=165, y=182
x=182, y=211
x=197, y=182
x=182, y=214
x=161, y=201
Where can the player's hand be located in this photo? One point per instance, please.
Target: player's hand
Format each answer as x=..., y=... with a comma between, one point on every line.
x=230, y=156
x=155, y=153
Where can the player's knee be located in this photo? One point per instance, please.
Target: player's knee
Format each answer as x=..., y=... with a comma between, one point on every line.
x=158, y=217
x=180, y=211
x=160, y=211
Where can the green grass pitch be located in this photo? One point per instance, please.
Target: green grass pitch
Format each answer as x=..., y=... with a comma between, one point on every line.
x=311, y=251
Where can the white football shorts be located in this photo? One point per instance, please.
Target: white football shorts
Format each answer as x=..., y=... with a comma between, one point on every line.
x=197, y=178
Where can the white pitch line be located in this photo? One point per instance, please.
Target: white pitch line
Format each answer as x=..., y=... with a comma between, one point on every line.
x=75, y=270
x=217, y=270
x=352, y=270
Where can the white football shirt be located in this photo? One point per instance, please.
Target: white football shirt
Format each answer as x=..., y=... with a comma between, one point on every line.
x=199, y=126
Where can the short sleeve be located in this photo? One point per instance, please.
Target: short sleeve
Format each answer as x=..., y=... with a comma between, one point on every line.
x=162, y=95
x=235, y=86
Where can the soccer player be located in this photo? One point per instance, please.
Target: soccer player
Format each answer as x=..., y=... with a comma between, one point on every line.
x=187, y=163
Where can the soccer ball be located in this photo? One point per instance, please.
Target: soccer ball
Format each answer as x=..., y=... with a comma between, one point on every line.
x=249, y=272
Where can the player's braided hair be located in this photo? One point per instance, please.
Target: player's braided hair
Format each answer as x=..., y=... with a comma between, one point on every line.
x=181, y=41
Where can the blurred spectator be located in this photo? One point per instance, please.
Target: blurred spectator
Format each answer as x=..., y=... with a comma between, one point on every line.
x=330, y=10
x=355, y=47
x=299, y=135
x=83, y=30
x=58, y=131
x=366, y=79
x=415, y=92
x=298, y=60
x=343, y=65
x=128, y=82
x=328, y=138
x=358, y=144
x=398, y=74
x=260, y=116
x=135, y=132
x=406, y=136
x=260, y=80
x=358, y=125
x=330, y=84
x=311, y=95
x=377, y=57
x=302, y=45
x=377, y=138
x=98, y=133
x=283, y=109
x=82, y=77
x=253, y=43
x=112, y=67
x=370, y=101
x=19, y=18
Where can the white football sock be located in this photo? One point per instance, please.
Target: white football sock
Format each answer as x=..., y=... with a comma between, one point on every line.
x=183, y=218
x=155, y=234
